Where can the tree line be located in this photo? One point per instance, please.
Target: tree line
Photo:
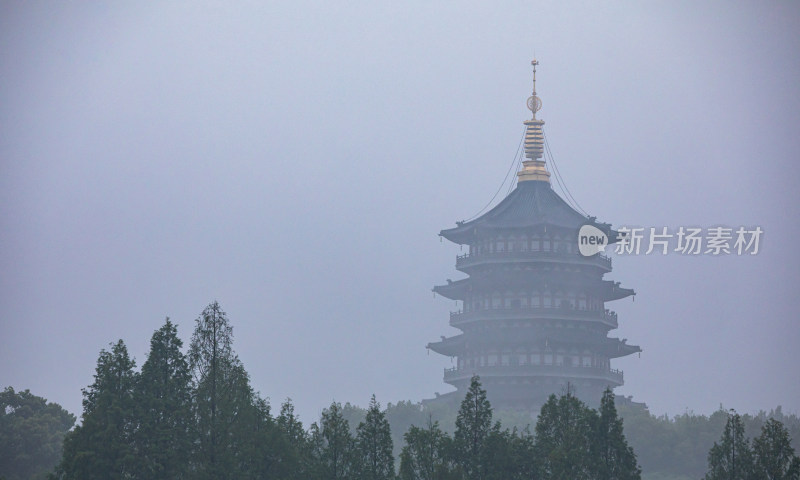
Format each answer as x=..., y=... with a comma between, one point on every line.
x=194, y=415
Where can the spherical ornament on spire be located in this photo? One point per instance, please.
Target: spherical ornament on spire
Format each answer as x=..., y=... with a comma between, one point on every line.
x=534, y=104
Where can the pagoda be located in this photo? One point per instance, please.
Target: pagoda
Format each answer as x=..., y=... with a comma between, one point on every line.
x=533, y=316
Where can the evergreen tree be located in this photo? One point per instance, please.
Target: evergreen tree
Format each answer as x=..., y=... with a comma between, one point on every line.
x=564, y=436
x=732, y=458
x=257, y=445
x=473, y=424
x=510, y=455
x=163, y=401
x=297, y=452
x=374, y=445
x=774, y=457
x=102, y=447
x=333, y=446
x=616, y=459
x=31, y=434
x=425, y=453
x=499, y=458
x=224, y=404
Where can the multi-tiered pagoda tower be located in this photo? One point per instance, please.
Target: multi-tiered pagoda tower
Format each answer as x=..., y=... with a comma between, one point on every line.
x=533, y=311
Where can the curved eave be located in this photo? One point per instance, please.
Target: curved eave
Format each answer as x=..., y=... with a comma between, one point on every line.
x=623, y=350
x=611, y=347
x=612, y=291
x=448, y=346
x=453, y=290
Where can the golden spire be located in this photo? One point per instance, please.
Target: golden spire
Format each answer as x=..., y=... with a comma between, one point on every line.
x=533, y=168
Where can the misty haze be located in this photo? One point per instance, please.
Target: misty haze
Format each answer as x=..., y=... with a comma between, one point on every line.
x=340, y=220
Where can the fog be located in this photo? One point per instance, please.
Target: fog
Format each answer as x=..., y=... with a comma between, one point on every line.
x=295, y=161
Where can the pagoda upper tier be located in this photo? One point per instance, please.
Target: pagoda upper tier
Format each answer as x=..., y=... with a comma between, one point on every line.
x=532, y=203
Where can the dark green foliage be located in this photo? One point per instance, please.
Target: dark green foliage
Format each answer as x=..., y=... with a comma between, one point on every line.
x=102, y=447
x=473, y=426
x=425, y=455
x=564, y=439
x=297, y=447
x=257, y=446
x=163, y=408
x=232, y=423
x=678, y=447
x=333, y=446
x=31, y=434
x=731, y=458
x=616, y=459
x=774, y=457
x=374, y=445
x=509, y=455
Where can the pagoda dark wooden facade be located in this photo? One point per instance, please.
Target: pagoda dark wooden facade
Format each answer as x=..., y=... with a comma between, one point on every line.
x=533, y=314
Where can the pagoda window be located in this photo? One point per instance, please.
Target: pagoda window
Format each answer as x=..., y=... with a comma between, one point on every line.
x=522, y=357
x=555, y=243
x=492, y=359
x=523, y=243
x=571, y=300
x=496, y=300
x=512, y=244
x=536, y=358
x=582, y=302
x=536, y=300
x=546, y=244
x=548, y=358
x=500, y=245
x=547, y=300
x=505, y=358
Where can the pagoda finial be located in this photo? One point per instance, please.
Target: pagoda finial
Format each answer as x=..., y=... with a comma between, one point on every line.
x=534, y=102
x=533, y=168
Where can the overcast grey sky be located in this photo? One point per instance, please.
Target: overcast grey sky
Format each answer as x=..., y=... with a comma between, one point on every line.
x=295, y=161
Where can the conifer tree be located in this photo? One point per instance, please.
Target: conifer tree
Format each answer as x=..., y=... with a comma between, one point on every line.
x=224, y=404
x=163, y=405
x=510, y=455
x=297, y=452
x=425, y=454
x=731, y=458
x=473, y=424
x=774, y=457
x=564, y=435
x=102, y=447
x=616, y=459
x=334, y=446
x=374, y=445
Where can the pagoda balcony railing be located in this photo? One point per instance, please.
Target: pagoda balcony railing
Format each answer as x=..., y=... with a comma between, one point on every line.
x=607, y=317
x=471, y=259
x=542, y=370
